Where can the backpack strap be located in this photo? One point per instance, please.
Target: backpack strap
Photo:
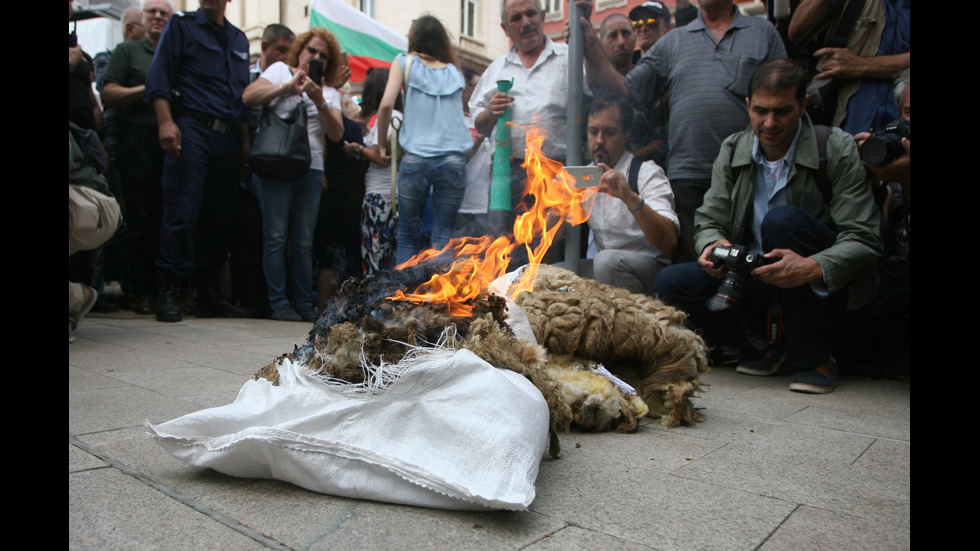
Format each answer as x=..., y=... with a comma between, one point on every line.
x=633, y=177
x=823, y=181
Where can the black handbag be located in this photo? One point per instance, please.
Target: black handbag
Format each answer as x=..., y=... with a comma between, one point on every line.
x=281, y=149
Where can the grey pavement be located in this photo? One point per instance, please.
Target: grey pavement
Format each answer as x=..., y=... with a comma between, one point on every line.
x=769, y=469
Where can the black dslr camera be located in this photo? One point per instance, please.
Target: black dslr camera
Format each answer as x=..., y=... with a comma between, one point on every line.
x=740, y=263
x=886, y=146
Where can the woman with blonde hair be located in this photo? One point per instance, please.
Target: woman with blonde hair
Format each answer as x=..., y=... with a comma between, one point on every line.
x=289, y=207
x=433, y=134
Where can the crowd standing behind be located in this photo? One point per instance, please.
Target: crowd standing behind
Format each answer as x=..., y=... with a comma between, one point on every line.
x=673, y=93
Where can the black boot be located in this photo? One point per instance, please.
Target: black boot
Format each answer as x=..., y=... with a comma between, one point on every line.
x=168, y=298
x=211, y=304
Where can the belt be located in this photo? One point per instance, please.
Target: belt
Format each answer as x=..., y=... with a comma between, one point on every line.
x=212, y=122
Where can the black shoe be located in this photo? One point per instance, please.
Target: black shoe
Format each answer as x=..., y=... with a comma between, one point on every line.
x=725, y=355
x=144, y=306
x=210, y=304
x=168, y=300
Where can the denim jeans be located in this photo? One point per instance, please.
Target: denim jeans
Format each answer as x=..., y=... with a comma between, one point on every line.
x=446, y=175
x=289, y=211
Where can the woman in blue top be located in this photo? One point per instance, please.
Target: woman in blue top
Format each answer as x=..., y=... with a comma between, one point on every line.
x=433, y=135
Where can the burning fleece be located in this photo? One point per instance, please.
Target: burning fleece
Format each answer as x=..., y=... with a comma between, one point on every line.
x=580, y=322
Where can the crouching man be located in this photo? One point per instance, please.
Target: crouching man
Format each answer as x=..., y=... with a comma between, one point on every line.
x=797, y=193
x=635, y=225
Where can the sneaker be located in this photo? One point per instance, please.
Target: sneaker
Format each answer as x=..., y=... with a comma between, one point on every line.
x=765, y=366
x=821, y=380
x=89, y=297
x=284, y=312
x=307, y=313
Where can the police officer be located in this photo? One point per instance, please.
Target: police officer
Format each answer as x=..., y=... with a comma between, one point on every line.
x=195, y=84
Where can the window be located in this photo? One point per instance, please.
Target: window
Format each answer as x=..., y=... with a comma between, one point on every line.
x=468, y=18
x=366, y=6
x=552, y=9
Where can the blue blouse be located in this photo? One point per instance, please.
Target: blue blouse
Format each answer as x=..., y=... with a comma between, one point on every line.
x=433, y=124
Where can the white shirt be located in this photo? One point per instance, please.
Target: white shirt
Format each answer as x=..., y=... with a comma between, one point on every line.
x=540, y=96
x=476, y=200
x=283, y=105
x=377, y=179
x=611, y=220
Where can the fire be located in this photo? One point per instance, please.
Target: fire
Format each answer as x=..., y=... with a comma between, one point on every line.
x=478, y=261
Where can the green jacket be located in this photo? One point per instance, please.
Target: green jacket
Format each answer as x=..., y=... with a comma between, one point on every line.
x=852, y=260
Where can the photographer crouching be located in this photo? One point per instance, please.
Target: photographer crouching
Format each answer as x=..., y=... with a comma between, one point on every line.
x=791, y=225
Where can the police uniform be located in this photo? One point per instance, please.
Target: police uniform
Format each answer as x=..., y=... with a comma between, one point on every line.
x=202, y=69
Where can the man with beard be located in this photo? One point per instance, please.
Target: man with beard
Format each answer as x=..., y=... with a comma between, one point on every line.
x=706, y=66
x=635, y=225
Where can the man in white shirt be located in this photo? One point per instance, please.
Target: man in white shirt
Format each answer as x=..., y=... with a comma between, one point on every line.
x=634, y=223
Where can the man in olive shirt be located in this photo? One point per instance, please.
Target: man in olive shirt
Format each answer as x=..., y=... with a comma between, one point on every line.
x=139, y=157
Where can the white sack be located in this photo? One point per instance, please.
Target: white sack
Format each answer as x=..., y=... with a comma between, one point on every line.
x=452, y=432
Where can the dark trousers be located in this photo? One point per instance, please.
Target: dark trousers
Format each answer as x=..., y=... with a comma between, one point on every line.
x=810, y=322
x=688, y=196
x=140, y=163
x=198, y=190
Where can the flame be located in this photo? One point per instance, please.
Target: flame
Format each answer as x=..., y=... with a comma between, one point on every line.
x=480, y=260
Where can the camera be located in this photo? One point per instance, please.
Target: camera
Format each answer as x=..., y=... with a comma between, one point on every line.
x=886, y=146
x=740, y=263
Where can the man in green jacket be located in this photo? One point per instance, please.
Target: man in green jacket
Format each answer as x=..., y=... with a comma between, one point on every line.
x=799, y=195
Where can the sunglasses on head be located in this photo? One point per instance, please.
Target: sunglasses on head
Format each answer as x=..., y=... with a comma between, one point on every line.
x=640, y=22
x=317, y=53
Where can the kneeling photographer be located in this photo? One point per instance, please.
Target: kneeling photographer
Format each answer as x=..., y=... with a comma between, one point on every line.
x=791, y=225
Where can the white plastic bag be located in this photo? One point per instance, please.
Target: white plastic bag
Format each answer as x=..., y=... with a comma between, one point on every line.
x=452, y=432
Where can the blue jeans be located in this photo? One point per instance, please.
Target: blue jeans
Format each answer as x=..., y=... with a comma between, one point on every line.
x=289, y=211
x=446, y=175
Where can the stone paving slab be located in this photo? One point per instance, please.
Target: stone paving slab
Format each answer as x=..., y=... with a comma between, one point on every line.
x=768, y=469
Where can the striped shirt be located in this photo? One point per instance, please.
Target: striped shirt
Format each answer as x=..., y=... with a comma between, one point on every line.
x=708, y=83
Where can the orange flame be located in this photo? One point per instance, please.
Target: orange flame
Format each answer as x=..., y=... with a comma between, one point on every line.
x=479, y=261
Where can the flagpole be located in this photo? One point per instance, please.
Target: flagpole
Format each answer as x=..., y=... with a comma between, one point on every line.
x=573, y=151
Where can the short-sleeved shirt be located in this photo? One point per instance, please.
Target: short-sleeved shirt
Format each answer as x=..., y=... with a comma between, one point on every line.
x=283, y=105
x=708, y=83
x=128, y=67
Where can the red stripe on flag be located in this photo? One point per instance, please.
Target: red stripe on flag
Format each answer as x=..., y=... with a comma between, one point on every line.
x=359, y=66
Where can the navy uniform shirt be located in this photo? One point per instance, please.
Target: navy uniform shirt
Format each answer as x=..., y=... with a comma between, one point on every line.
x=206, y=63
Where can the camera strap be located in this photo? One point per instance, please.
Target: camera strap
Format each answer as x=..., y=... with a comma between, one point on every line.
x=771, y=335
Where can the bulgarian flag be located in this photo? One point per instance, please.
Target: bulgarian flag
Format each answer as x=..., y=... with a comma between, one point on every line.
x=367, y=43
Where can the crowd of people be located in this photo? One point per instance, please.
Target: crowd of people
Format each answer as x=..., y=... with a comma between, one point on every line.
x=711, y=141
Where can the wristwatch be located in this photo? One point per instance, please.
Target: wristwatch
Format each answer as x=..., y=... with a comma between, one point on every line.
x=638, y=206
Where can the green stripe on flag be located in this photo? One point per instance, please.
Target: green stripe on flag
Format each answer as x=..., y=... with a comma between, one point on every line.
x=356, y=43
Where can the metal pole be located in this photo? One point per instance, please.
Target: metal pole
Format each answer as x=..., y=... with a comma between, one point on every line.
x=573, y=152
